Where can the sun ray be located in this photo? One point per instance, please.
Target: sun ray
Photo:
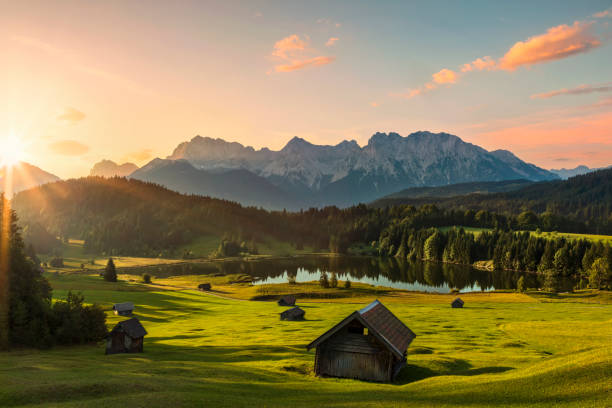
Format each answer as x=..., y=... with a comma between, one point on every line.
x=12, y=150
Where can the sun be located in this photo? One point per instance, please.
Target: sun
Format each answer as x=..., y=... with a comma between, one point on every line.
x=11, y=150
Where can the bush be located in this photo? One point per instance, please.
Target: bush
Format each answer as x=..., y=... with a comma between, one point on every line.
x=110, y=273
x=56, y=262
x=347, y=284
x=323, y=281
x=146, y=278
x=520, y=284
x=75, y=323
x=291, y=280
x=334, y=280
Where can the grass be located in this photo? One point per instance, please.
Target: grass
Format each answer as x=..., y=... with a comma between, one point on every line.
x=503, y=349
x=473, y=230
x=605, y=239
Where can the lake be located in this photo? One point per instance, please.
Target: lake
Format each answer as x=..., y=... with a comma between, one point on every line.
x=388, y=272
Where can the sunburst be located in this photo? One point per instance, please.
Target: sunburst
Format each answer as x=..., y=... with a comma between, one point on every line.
x=12, y=150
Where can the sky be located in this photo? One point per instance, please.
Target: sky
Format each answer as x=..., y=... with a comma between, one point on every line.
x=82, y=81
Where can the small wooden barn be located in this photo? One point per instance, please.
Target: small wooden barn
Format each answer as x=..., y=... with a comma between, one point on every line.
x=126, y=337
x=293, y=314
x=457, y=303
x=204, y=287
x=123, y=309
x=370, y=344
x=287, y=300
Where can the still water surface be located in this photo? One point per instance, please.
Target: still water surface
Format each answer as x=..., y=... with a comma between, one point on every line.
x=389, y=272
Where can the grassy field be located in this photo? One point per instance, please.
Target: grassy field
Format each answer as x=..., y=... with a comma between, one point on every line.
x=606, y=239
x=502, y=349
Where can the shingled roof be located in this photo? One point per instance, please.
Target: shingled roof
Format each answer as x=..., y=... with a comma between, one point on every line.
x=381, y=323
x=122, y=307
x=131, y=327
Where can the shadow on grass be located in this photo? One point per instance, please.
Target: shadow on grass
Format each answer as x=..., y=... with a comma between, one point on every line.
x=452, y=367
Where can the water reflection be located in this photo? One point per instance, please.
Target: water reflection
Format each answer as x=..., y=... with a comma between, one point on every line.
x=390, y=272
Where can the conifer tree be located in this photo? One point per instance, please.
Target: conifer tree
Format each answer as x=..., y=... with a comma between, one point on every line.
x=110, y=273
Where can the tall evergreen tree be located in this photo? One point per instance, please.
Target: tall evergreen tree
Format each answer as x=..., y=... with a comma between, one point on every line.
x=110, y=272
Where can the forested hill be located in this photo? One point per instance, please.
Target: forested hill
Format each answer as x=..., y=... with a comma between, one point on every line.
x=586, y=198
x=136, y=217
x=132, y=217
x=452, y=190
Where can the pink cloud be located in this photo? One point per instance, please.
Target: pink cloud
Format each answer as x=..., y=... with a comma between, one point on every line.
x=603, y=14
x=69, y=148
x=294, y=66
x=557, y=43
x=579, y=90
x=331, y=41
x=296, y=54
x=445, y=76
x=288, y=46
x=479, y=64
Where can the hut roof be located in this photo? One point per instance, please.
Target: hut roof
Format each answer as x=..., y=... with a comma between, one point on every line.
x=122, y=307
x=381, y=323
x=294, y=311
x=131, y=327
x=289, y=299
x=457, y=301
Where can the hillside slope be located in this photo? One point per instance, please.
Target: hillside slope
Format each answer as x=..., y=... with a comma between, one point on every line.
x=586, y=197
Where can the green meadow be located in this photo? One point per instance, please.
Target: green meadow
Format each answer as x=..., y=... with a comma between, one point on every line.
x=505, y=349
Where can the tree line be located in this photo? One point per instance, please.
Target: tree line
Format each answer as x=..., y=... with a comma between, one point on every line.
x=28, y=317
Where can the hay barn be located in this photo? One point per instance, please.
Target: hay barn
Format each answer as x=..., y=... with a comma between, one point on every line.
x=126, y=337
x=123, y=309
x=457, y=303
x=293, y=314
x=287, y=300
x=370, y=344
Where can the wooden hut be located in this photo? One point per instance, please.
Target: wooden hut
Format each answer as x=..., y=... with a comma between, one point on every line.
x=126, y=337
x=123, y=309
x=204, y=287
x=287, y=300
x=293, y=314
x=457, y=303
x=370, y=344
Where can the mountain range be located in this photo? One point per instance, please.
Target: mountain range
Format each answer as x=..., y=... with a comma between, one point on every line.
x=303, y=174
x=23, y=176
x=108, y=168
x=576, y=171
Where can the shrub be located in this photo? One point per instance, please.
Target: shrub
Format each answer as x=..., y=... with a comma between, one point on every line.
x=520, y=284
x=334, y=280
x=146, y=278
x=347, y=284
x=75, y=323
x=291, y=279
x=323, y=280
x=56, y=262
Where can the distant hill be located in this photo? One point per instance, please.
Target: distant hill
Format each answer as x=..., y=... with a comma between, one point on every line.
x=484, y=187
x=347, y=174
x=25, y=176
x=576, y=171
x=108, y=168
x=238, y=185
x=585, y=198
x=128, y=216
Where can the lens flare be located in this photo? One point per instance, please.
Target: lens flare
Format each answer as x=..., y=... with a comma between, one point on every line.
x=12, y=150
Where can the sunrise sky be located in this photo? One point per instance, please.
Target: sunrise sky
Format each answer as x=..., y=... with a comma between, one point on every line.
x=129, y=80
